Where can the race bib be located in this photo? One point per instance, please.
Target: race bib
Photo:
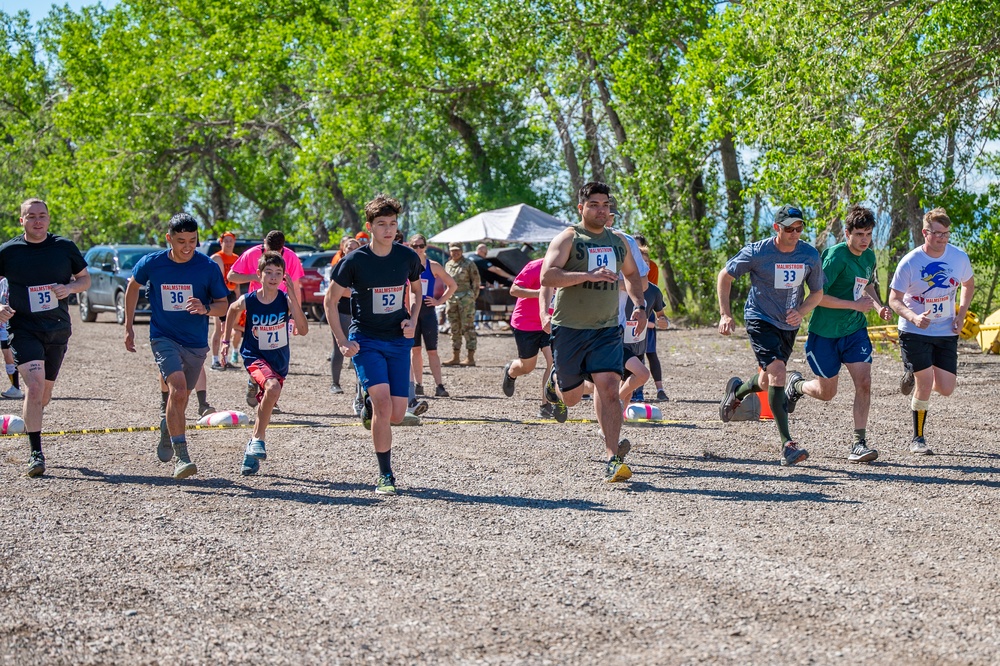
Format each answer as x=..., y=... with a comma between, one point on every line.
x=174, y=297
x=271, y=337
x=601, y=257
x=631, y=334
x=41, y=298
x=941, y=307
x=859, y=287
x=424, y=282
x=789, y=276
x=386, y=300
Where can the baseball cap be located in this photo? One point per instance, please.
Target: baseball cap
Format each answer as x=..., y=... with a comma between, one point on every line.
x=788, y=215
x=362, y=234
x=227, y=233
x=455, y=246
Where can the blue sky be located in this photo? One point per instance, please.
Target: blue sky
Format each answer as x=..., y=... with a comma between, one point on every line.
x=40, y=8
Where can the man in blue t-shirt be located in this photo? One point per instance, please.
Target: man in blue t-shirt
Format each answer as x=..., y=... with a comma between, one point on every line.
x=384, y=310
x=779, y=267
x=185, y=288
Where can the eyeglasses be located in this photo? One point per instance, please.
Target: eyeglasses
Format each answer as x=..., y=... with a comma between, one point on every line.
x=794, y=230
x=938, y=234
x=418, y=246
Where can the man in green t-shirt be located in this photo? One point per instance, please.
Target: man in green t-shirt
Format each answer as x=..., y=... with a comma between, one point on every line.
x=838, y=331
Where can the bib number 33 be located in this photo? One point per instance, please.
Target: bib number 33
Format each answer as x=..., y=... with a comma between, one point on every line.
x=789, y=276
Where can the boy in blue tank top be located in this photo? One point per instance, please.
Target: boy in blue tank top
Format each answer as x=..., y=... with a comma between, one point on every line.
x=265, y=345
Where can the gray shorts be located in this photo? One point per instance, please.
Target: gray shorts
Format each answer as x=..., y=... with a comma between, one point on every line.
x=171, y=357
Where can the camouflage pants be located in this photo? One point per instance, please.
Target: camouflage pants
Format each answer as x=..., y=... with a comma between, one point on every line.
x=461, y=311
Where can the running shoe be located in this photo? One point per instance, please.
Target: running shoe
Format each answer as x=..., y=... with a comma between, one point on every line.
x=36, y=464
x=418, y=389
x=206, y=409
x=791, y=395
x=907, y=381
x=250, y=465
x=918, y=447
x=164, y=451
x=252, y=394
x=617, y=471
x=256, y=449
x=791, y=454
x=661, y=396
x=366, y=411
x=624, y=446
x=183, y=467
x=440, y=392
x=13, y=393
x=559, y=410
x=860, y=453
x=638, y=396
x=545, y=412
x=234, y=358
x=335, y=389
x=729, y=401
x=418, y=407
x=508, y=381
x=217, y=366
x=386, y=485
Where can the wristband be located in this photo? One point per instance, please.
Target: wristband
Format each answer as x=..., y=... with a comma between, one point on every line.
x=225, y=342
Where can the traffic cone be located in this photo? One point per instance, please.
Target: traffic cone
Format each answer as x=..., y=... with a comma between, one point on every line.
x=765, y=408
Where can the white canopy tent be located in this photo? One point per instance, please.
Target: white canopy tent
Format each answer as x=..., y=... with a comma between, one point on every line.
x=514, y=224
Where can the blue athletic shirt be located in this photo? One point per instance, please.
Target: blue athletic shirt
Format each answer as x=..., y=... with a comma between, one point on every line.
x=776, y=279
x=266, y=333
x=169, y=285
x=378, y=284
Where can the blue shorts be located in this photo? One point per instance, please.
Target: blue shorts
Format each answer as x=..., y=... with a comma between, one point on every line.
x=651, y=338
x=825, y=355
x=580, y=353
x=383, y=362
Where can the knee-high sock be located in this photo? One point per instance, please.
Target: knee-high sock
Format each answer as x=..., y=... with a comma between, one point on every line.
x=776, y=401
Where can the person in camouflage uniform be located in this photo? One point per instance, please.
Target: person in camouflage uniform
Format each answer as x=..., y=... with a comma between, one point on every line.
x=462, y=304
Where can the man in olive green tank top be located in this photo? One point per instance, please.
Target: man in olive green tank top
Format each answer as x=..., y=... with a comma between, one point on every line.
x=583, y=263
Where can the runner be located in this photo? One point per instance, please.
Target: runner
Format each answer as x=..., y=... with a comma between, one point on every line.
x=224, y=259
x=531, y=323
x=13, y=391
x=180, y=282
x=923, y=295
x=838, y=329
x=427, y=323
x=42, y=270
x=382, y=326
x=265, y=350
x=778, y=268
x=583, y=262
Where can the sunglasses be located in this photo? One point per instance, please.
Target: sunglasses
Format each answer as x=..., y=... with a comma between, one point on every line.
x=794, y=230
x=418, y=246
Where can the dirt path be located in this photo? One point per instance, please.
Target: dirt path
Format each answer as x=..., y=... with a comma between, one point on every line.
x=505, y=547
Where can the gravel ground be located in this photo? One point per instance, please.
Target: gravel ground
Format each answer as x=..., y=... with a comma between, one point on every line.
x=505, y=546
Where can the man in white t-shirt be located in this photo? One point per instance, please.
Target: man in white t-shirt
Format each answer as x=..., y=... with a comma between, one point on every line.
x=923, y=295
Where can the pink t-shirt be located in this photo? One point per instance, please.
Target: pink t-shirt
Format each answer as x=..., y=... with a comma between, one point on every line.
x=247, y=263
x=526, y=316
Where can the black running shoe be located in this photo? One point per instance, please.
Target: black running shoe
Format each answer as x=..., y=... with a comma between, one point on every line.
x=508, y=381
x=791, y=395
x=729, y=401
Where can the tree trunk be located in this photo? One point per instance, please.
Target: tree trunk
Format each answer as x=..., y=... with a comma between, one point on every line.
x=675, y=297
x=609, y=109
x=471, y=139
x=350, y=220
x=590, y=129
x=569, y=151
x=736, y=235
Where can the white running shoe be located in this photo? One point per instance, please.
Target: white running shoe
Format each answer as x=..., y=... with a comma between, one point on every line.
x=13, y=393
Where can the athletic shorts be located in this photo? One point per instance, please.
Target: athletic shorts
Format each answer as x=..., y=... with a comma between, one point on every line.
x=651, y=339
x=770, y=343
x=230, y=299
x=579, y=354
x=383, y=362
x=260, y=372
x=172, y=357
x=427, y=328
x=48, y=346
x=632, y=350
x=924, y=351
x=825, y=355
x=529, y=343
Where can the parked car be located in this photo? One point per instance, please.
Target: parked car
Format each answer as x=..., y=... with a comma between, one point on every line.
x=314, y=264
x=110, y=267
x=210, y=247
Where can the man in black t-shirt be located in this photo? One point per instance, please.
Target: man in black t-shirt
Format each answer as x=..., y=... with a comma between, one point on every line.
x=42, y=270
x=385, y=279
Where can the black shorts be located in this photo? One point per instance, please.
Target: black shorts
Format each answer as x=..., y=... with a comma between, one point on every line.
x=427, y=328
x=924, y=351
x=770, y=343
x=230, y=299
x=47, y=346
x=529, y=343
x=579, y=354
